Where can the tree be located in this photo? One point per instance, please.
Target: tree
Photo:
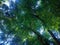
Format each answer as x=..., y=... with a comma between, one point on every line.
x=28, y=16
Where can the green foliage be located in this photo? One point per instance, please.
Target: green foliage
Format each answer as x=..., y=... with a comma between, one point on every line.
x=27, y=16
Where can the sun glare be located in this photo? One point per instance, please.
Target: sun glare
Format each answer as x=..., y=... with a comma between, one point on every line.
x=7, y=3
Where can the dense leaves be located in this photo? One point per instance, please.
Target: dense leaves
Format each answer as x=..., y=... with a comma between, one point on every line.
x=24, y=19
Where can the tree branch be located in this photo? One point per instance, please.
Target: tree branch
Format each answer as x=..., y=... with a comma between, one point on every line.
x=54, y=37
x=41, y=38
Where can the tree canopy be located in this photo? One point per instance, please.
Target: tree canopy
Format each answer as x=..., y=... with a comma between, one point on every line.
x=30, y=22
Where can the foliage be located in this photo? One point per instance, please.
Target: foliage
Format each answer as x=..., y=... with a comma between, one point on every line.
x=28, y=16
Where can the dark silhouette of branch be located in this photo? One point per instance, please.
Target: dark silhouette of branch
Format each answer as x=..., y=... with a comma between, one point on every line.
x=36, y=16
x=54, y=37
x=41, y=38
